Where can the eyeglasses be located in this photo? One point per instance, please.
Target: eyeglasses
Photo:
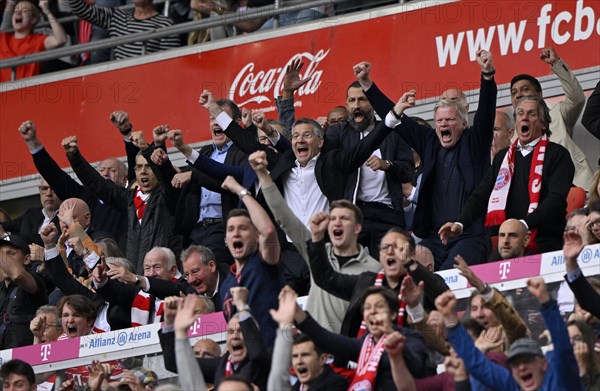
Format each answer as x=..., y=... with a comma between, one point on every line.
x=594, y=223
x=193, y=273
x=386, y=246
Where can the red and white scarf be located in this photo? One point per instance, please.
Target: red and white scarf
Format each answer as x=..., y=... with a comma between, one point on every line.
x=399, y=321
x=368, y=363
x=497, y=203
x=139, y=201
x=228, y=366
x=140, y=309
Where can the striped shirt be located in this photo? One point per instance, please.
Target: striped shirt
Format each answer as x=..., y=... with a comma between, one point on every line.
x=122, y=22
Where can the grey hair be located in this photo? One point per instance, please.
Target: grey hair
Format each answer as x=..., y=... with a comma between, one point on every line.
x=285, y=132
x=543, y=110
x=168, y=253
x=49, y=309
x=205, y=253
x=314, y=124
x=510, y=122
x=460, y=109
x=210, y=305
x=121, y=262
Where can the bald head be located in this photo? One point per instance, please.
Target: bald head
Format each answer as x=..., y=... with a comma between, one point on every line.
x=75, y=209
x=512, y=239
x=207, y=348
x=424, y=256
x=113, y=169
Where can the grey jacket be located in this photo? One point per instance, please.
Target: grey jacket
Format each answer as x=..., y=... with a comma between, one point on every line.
x=327, y=309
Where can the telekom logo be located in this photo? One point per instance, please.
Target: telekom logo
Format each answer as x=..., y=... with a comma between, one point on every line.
x=504, y=270
x=45, y=352
x=195, y=327
x=258, y=85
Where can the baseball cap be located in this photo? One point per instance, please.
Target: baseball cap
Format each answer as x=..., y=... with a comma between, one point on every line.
x=524, y=347
x=15, y=241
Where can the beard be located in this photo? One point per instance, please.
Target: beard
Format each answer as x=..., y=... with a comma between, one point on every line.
x=368, y=119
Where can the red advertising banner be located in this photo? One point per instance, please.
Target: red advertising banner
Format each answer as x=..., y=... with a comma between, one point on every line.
x=425, y=46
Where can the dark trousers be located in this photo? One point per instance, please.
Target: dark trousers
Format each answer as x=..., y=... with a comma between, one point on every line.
x=377, y=220
x=474, y=248
x=213, y=237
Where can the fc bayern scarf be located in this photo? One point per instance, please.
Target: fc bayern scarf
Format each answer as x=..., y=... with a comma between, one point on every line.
x=497, y=203
x=368, y=363
x=399, y=321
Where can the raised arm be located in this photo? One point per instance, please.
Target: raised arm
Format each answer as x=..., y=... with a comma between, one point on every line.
x=283, y=215
x=190, y=375
x=563, y=362
x=571, y=107
x=98, y=16
x=61, y=183
x=337, y=284
x=279, y=376
x=509, y=318
x=269, y=246
x=483, y=122
x=586, y=296
x=104, y=188
x=58, y=37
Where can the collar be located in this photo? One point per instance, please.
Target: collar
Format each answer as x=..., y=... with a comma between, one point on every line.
x=51, y=216
x=216, y=286
x=225, y=147
x=311, y=163
x=528, y=147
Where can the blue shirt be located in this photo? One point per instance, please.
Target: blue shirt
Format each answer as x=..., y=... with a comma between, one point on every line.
x=210, y=201
x=264, y=282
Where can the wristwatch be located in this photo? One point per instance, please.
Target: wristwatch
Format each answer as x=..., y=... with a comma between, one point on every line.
x=137, y=280
x=245, y=307
x=244, y=193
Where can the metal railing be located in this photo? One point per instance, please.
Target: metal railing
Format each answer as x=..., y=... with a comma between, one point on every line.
x=182, y=28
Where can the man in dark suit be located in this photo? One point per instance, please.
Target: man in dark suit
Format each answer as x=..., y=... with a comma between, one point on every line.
x=454, y=158
x=528, y=181
x=376, y=187
x=203, y=205
x=106, y=217
x=29, y=224
x=308, y=176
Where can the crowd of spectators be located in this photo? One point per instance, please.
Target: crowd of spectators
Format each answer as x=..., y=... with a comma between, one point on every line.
x=101, y=19
x=279, y=208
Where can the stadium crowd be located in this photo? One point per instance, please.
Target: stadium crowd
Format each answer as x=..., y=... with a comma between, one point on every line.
x=101, y=19
x=355, y=210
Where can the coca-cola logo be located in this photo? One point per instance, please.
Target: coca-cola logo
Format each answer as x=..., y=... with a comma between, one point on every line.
x=260, y=86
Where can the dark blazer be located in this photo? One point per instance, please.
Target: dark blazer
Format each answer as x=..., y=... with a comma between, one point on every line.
x=254, y=368
x=188, y=204
x=352, y=287
x=156, y=228
x=332, y=167
x=393, y=148
x=105, y=216
x=549, y=216
x=473, y=154
x=28, y=224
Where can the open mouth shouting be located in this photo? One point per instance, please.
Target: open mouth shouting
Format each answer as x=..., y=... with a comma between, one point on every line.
x=301, y=372
x=238, y=350
x=72, y=331
x=337, y=234
x=446, y=136
x=358, y=115
x=527, y=380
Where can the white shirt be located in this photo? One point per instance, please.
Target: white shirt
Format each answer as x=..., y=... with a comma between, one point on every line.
x=529, y=147
x=302, y=192
x=373, y=184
